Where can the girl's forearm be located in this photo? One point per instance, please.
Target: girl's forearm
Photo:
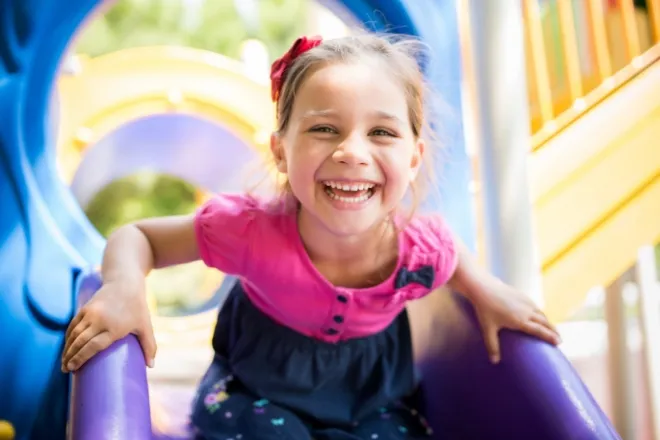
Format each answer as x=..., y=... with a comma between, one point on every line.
x=127, y=254
x=470, y=279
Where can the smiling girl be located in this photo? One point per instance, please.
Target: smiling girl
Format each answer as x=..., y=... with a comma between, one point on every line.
x=314, y=342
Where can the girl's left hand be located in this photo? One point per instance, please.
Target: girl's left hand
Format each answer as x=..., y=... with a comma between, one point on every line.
x=505, y=307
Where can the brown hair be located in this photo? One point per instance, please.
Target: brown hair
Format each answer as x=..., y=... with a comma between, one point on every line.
x=400, y=55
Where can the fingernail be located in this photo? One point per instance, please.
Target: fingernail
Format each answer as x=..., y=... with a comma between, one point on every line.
x=152, y=363
x=495, y=359
x=70, y=366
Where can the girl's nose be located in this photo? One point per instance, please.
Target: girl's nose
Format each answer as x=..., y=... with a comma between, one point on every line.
x=352, y=151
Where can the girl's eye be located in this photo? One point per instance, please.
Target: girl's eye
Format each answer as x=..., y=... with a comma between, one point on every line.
x=382, y=132
x=323, y=129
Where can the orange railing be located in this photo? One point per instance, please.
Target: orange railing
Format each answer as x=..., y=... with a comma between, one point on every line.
x=579, y=51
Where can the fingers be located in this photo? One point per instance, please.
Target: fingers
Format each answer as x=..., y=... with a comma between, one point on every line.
x=540, y=318
x=73, y=324
x=78, y=340
x=85, y=327
x=541, y=331
x=492, y=341
x=73, y=332
x=148, y=343
x=97, y=343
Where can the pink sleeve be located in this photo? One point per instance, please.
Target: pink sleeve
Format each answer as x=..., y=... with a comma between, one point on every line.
x=440, y=241
x=224, y=227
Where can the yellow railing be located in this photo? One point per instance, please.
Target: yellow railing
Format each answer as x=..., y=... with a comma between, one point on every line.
x=579, y=51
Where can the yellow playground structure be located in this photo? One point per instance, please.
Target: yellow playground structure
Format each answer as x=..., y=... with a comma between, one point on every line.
x=594, y=164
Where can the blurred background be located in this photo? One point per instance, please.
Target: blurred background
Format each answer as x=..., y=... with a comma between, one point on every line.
x=158, y=104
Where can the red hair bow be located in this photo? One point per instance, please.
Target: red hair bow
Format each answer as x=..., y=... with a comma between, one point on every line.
x=280, y=66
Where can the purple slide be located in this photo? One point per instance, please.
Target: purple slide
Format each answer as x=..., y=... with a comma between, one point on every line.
x=534, y=393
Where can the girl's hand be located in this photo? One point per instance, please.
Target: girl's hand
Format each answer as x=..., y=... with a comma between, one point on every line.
x=117, y=309
x=505, y=307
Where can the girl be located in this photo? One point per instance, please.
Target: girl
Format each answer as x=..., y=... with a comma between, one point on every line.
x=314, y=342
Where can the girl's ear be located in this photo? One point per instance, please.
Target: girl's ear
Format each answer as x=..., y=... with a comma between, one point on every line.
x=277, y=149
x=416, y=162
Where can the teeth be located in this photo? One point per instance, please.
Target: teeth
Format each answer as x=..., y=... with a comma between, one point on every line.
x=358, y=199
x=351, y=187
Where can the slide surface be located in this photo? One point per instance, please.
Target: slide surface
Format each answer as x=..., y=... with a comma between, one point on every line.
x=596, y=190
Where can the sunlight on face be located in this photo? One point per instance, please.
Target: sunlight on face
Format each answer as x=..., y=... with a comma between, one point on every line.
x=349, y=151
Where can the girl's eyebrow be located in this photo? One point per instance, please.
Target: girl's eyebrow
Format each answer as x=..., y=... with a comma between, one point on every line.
x=389, y=116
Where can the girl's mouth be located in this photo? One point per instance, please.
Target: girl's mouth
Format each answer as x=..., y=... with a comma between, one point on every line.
x=353, y=192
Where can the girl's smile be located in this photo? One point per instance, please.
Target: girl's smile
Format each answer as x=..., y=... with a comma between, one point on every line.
x=347, y=194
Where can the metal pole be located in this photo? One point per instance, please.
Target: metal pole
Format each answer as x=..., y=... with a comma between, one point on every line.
x=649, y=310
x=622, y=390
x=496, y=82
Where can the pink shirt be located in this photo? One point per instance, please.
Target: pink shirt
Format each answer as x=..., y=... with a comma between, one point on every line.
x=243, y=236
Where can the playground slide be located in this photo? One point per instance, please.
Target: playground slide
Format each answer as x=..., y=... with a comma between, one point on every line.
x=596, y=187
x=545, y=399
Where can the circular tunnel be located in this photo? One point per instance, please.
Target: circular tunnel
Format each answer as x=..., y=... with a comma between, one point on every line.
x=176, y=112
x=190, y=147
x=182, y=113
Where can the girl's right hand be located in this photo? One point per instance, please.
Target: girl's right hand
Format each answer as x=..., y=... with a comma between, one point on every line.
x=117, y=309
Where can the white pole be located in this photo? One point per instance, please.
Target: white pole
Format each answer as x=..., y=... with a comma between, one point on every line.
x=649, y=310
x=500, y=117
x=622, y=391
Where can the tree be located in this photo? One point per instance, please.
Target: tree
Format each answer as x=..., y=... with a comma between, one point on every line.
x=139, y=196
x=213, y=25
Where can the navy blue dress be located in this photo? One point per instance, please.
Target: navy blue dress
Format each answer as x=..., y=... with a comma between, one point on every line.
x=270, y=382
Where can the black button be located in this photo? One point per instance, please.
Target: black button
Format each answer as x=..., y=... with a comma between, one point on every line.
x=331, y=331
x=342, y=298
x=338, y=319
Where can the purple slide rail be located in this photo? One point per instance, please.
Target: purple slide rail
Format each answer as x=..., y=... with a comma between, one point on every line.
x=533, y=394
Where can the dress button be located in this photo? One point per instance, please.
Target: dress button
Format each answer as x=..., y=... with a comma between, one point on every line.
x=342, y=298
x=338, y=319
x=331, y=331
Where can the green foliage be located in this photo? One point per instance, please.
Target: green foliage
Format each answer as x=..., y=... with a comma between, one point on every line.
x=213, y=25
x=145, y=195
x=139, y=196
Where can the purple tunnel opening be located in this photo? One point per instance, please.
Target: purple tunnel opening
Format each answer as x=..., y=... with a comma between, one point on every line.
x=197, y=150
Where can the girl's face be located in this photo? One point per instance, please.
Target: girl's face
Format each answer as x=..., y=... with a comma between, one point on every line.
x=349, y=150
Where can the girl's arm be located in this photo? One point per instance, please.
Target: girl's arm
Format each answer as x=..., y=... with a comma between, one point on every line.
x=470, y=279
x=136, y=248
x=497, y=304
x=120, y=306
